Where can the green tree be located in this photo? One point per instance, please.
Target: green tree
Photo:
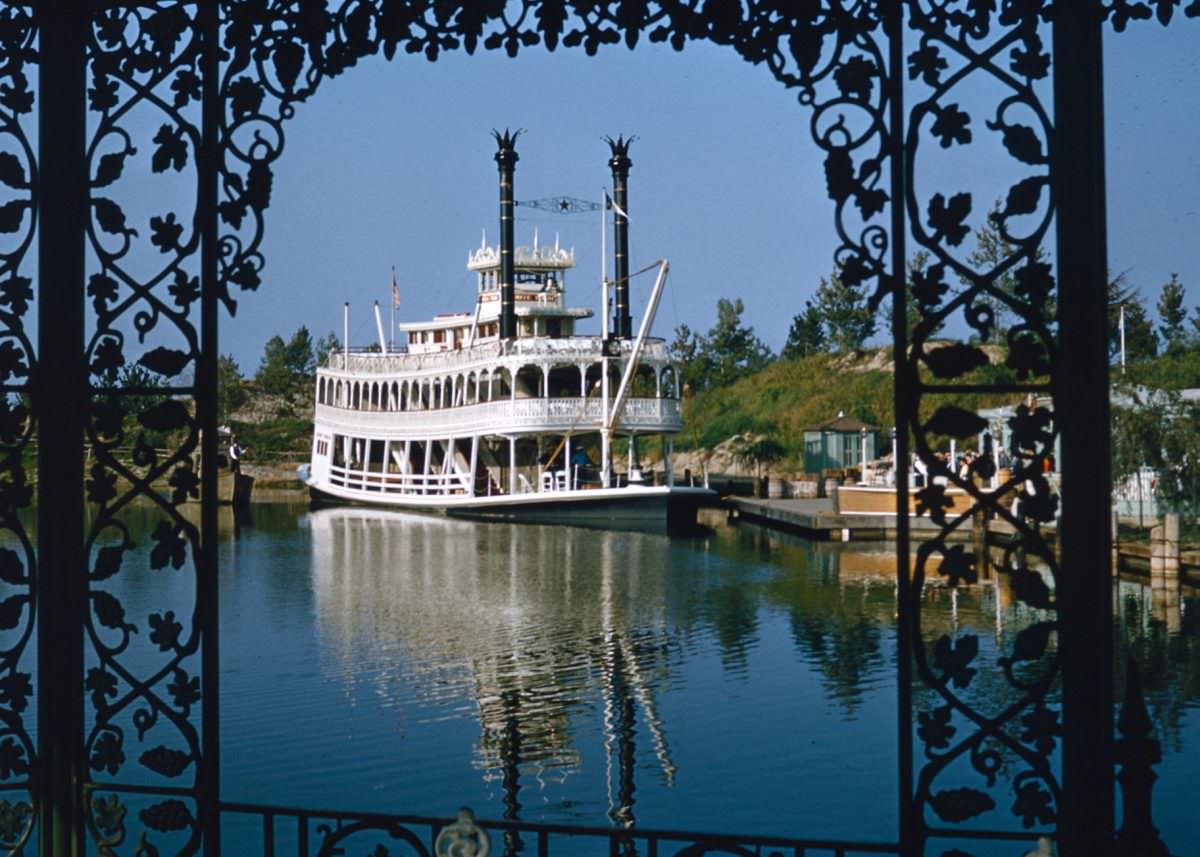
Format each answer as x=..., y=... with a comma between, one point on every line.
x=298, y=356
x=1172, y=316
x=231, y=395
x=273, y=375
x=1140, y=340
x=326, y=345
x=807, y=334
x=730, y=350
x=849, y=321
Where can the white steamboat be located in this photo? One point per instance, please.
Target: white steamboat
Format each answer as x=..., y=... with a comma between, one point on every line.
x=506, y=412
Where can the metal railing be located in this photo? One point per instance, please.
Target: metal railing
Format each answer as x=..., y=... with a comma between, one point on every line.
x=316, y=833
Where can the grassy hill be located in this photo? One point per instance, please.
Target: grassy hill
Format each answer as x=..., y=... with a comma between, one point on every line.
x=789, y=396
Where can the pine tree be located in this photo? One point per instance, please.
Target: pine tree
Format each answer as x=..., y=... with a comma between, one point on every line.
x=807, y=334
x=849, y=321
x=1172, y=316
x=1140, y=340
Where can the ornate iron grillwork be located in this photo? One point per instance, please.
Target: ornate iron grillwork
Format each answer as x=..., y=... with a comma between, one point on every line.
x=198, y=94
x=18, y=558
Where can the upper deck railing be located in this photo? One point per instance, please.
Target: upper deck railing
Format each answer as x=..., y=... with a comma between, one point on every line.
x=573, y=348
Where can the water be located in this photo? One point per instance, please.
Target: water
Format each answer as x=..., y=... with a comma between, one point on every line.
x=742, y=680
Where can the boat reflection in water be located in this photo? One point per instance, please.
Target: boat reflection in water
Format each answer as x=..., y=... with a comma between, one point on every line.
x=538, y=671
x=530, y=621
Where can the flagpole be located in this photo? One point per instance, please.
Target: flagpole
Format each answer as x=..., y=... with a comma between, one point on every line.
x=392, y=302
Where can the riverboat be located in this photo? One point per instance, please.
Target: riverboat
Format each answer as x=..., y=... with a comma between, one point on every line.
x=507, y=412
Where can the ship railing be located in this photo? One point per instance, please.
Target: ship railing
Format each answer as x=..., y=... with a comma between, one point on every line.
x=642, y=414
x=401, y=484
x=374, y=363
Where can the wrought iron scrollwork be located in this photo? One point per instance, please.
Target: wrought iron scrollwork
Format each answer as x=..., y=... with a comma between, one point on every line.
x=1001, y=739
x=143, y=352
x=18, y=559
x=145, y=90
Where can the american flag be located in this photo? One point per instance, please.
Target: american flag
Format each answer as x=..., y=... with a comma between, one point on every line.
x=395, y=291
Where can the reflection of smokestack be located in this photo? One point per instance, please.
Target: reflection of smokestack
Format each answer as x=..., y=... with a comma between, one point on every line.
x=620, y=163
x=506, y=159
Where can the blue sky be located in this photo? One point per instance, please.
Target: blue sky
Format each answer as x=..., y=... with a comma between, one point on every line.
x=391, y=164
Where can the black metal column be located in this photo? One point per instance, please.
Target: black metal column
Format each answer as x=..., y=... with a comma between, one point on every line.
x=1082, y=414
x=60, y=395
x=619, y=162
x=506, y=160
x=207, y=602
x=904, y=408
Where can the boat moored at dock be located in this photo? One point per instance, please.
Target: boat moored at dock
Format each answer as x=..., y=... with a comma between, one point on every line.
x=508, y=412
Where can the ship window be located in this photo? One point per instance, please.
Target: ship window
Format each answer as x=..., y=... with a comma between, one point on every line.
x=554, y=327
x=439, y=336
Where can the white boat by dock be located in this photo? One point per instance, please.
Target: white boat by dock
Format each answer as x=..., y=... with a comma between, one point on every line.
x=506, y=412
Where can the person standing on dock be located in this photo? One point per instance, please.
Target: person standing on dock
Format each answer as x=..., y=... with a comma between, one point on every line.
x=235, y=455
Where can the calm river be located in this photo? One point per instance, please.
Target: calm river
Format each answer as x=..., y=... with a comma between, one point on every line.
x=742, y=680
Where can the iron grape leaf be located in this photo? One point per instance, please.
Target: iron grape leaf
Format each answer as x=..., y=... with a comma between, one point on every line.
x=957, y=805
x=17, y=96
x=165, y=630
x=950, y=361
x=259, y=182
x=107, y=753
x=165, y=232
x=1041, y=729
x=12, y=361
x=853, y=77
x=13, y=763
x=108, y=562
x=946, y=218
x=165, y=761
x=184, y=690
x=927, y=286
x=1034, y=803
x=1023, y=144
x=954, y=660
x=170, y=547
x=935, y=728
x=955, y=422
x=110, y=612
x=870, y=202
x=1023, y=197
x=109, y=169
x=166, y=816
x=12, y=171
x=1027, y=356
x=109, y=815
x=102, y=487
x=10, y=611
x=103, y=94
x=1029, y=587
x=932, y=501
x=165, y=361
x=951, y=126
x=15, y=690
x=187, y=87
x=171, y=152
x=11, y=215
x=958, y=566
x=16, y=293
x=110, y=217
x=1031, y=642
x=103, y=290
x=12, y=570
x=926, y=63
x=245, y=97
x=165, y=416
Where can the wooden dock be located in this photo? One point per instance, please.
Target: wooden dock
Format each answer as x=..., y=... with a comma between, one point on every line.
x=817, y=519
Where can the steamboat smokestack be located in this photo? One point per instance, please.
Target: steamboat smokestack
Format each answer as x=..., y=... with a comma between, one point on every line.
x=506, y=160
x=620, y=164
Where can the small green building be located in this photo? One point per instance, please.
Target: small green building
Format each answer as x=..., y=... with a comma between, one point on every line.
x=839, y=443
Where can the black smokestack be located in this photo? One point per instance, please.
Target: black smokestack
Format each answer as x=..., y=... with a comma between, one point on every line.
x=506, y=159
x=622, y=323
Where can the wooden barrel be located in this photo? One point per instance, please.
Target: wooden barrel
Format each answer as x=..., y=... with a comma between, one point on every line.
x=774, y=489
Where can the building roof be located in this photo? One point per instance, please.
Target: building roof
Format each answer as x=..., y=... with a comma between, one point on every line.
x=843, y=423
